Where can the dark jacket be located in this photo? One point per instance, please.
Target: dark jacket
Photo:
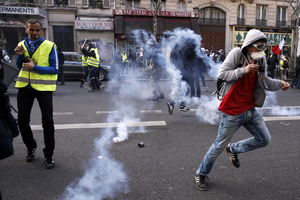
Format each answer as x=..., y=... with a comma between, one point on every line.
x=8, y=125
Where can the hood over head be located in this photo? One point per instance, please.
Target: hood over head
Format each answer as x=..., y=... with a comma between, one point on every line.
x=252, y=36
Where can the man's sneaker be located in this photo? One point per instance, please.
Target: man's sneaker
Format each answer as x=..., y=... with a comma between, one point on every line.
x=200, y=182
x=30, y=155
x=49, y=163
x=184, y=108
x=170, y=107
x=233, y=157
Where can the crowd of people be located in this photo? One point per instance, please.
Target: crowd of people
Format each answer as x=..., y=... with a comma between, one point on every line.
x=243, y=72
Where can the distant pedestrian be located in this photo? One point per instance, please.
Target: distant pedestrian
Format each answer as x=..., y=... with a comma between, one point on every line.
x=284, y=66
x=187, y=60
x=84, y=65
x=245, y=76
x=272, y=63
x=61, y=61
x=38, y=64
x=296, y=81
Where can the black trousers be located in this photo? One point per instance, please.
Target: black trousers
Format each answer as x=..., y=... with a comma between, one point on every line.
x=94, y=80
x=25, y=100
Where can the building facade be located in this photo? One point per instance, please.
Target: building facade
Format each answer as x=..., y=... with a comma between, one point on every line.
x=222, y=24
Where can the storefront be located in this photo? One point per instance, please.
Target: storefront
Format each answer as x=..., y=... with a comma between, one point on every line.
x=12, y=24
x=274, y=37
x=98, y=30
x=129, y=20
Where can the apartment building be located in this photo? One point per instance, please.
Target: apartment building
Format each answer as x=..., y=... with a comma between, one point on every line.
x=222, y=24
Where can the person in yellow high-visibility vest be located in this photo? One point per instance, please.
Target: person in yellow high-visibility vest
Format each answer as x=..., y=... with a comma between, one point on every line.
x=84, y=66
x=124, y=60
x=93, y=62
x=38, y=64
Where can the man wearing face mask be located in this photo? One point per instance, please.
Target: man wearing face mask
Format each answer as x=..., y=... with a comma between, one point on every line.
x=245, y=74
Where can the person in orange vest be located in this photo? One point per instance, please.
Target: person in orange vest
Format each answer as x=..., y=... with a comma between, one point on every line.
x=38, y=64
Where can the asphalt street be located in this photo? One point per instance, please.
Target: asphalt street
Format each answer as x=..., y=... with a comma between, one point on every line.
x=164, y=168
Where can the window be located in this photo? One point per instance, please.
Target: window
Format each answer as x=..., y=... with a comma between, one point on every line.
x=181, y=5
x=98, y=4
x=63, y=37
x=84, y=3
x=133, y=4
x=261, y=15
x=212, y=16
x=281, y=16
x=162, y=6
x=241, y=14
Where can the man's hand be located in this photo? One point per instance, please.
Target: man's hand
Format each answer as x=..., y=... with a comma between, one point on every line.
x=19, y=50
x=29, y=65
x=251, y=68
x=284, y=85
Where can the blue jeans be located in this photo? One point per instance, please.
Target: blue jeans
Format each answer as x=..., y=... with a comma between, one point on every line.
x=229, y=124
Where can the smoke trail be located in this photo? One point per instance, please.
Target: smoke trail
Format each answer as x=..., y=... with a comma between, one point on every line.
x=271, y=107
x=208, y=110
x=104, y=176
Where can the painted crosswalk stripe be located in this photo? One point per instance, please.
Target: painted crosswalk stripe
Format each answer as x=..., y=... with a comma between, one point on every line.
x=101, y=125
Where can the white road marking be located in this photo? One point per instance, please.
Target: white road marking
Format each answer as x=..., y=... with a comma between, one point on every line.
x=63, y=113
x=100, y=125
x=151, y=111
x=114, y=111
x=281, y=118
x=106, y=112
x=287, y=107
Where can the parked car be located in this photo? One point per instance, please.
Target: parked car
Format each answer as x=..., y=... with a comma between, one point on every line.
x=73, y=68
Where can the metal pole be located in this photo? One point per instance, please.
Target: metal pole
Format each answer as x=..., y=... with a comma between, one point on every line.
x=156, y=4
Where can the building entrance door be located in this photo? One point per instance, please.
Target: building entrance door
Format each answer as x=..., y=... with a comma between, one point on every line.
x=211, y=22
x=212, y=39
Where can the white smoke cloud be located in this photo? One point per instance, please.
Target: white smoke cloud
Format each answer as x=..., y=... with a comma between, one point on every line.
x=207, y=110
x=104, y=176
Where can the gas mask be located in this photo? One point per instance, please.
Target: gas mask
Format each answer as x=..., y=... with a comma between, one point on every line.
x=257, y=55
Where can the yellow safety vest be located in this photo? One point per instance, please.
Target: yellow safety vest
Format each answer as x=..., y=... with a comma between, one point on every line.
x=124, y=57
x=84, y=61
x=40, y=82
x=91, y=61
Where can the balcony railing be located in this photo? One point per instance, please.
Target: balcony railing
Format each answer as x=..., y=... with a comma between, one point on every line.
x=25, y=2
x=210, y=21
x=241, y=21
x=281, y=23
x=261, y=22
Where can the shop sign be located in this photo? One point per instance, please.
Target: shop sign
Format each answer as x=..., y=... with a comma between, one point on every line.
x=151, y=13
x=94, y=25
x=272, y=38
x=11, y=24
x=22, y=11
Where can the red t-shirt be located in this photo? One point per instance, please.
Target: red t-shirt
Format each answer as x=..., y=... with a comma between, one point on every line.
x=239, y=97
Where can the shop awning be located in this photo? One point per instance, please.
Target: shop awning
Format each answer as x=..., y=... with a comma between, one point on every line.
x=13, y=10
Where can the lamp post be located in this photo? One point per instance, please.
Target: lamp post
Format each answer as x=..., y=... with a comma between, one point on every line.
x=157, y=7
